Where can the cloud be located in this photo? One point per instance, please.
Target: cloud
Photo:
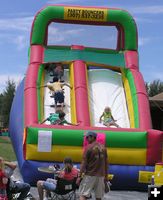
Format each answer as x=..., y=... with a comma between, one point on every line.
x=57, y=35
x=15, y=31
x=3, y=80
x=152, y=73
x=144, y=20
x=157, y=74
x=61, y=1
x=16, y=24
x=17, y=14
x=143, y=41
x=146, y=40
x=155, y=9
x=20, y=42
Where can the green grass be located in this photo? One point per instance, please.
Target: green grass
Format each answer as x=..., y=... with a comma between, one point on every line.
x=6, y=149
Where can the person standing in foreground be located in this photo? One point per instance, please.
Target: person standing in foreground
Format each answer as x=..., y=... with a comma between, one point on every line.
x=94, y=166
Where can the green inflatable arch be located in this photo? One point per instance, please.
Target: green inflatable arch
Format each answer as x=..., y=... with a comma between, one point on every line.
x=119, y=18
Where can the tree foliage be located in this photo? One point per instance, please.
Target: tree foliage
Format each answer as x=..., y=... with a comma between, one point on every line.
x=154, y=88
x=6, y=99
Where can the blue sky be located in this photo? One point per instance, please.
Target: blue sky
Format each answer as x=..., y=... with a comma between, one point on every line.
x=16, y=17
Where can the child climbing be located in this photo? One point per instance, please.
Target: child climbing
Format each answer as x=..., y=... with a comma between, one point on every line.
x=63, y=121
x=58, y=71
x=55, y=70
x=53, y=117
x=56, y=88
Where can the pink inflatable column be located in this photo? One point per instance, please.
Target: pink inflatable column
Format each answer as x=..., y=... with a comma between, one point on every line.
x=30, y=90
x=131, y=58
x=81, y=92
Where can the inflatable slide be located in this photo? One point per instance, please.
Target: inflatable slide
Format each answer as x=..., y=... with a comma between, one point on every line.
x=98, y=78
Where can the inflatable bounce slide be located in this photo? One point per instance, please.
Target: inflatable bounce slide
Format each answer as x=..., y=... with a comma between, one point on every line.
x=98, y=78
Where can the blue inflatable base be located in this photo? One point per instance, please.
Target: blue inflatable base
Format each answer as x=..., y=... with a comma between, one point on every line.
x=125, y=176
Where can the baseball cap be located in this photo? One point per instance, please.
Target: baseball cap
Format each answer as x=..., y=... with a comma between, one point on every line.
x=91, y=133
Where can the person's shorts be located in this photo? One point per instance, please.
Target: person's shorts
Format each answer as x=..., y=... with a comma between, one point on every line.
x=49, y=184
x=18, y=186
x=92, y=183
x=59, y=97
x=109, y=120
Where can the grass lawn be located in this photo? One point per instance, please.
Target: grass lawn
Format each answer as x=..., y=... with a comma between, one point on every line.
x=6, y=149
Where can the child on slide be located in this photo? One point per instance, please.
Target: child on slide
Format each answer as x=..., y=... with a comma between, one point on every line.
x=108, y=119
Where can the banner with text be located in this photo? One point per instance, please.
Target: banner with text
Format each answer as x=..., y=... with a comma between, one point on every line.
x=85, y=14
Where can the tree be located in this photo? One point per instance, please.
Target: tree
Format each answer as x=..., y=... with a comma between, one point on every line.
x=1, y=115
x=154, y=88
x=6, y=101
